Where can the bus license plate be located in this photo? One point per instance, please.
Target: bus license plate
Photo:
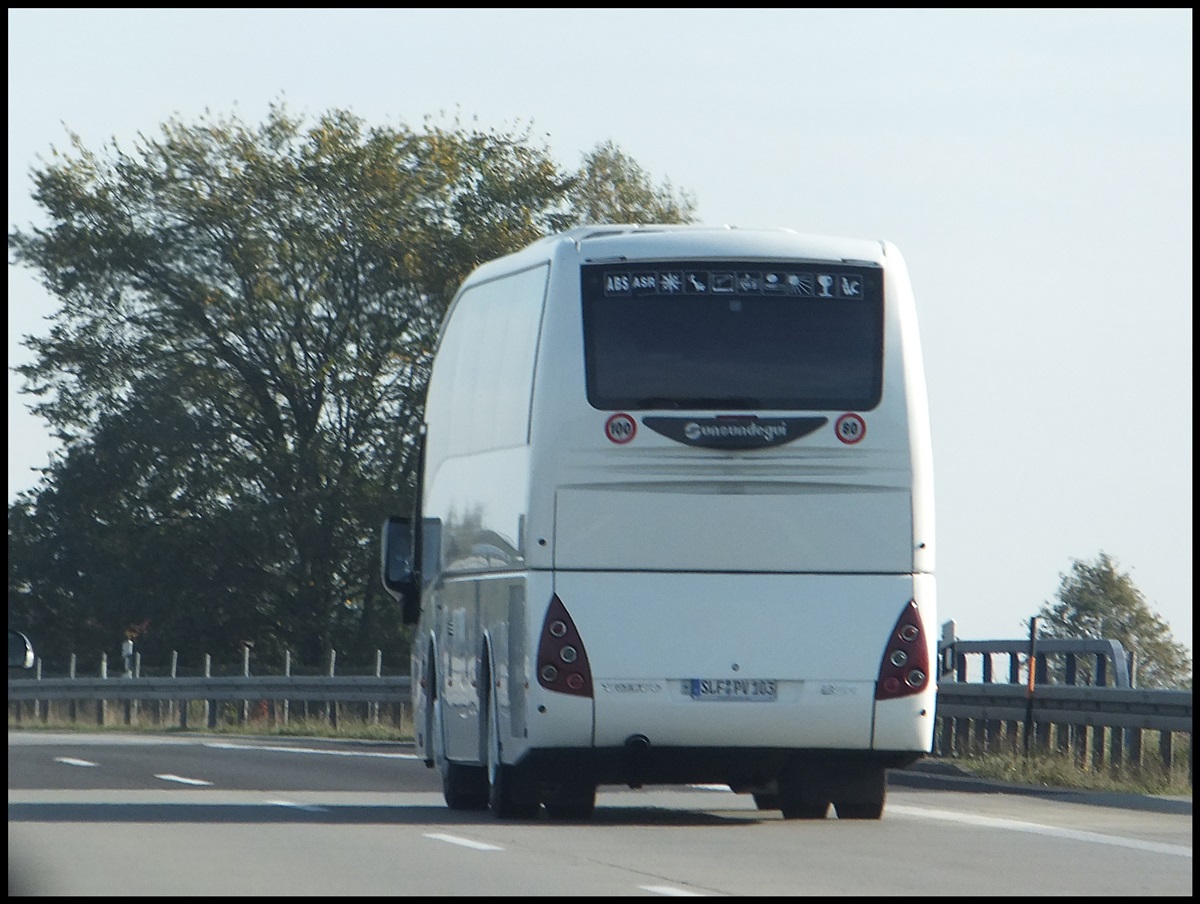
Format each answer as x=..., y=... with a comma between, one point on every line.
x=748, y=690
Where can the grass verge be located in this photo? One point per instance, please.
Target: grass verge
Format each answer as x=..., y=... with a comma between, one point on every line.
x=229, y=721
x=1052, y=769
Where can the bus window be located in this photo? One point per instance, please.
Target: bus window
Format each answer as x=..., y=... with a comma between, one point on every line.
x=806, y=340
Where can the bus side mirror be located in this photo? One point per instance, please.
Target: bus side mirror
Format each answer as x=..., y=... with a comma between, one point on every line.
x=398, y=566
x=20, y=650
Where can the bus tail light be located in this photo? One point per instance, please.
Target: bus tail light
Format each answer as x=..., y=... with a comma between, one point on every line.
x=905, y=667
x=562, y=663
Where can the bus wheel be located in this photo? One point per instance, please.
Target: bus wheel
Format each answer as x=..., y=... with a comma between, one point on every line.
x=802, y=796
x=766, y=801
x=463, y=787
x=804, y=809
x=510, y=794
x=571, y=800
x=861, y=796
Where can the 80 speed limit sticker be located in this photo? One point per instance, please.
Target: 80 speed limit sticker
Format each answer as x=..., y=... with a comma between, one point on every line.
x=850, y=428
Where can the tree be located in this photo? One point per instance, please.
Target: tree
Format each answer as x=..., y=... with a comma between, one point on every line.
x=1097, y=600
x=237, y=368
x=611, y=187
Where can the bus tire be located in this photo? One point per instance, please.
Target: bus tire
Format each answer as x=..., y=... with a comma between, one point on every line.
x=803, y=796
x=571, y=800
x=510, y=795
x=430, y=747
x=463, y=787
x=766, y=801
x=862, y=796
x=804, y=808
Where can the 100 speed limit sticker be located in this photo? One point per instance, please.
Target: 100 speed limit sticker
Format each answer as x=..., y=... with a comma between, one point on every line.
x=620, y=428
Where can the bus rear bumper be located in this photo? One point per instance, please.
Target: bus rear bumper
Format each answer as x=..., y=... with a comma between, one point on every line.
x=639, y=763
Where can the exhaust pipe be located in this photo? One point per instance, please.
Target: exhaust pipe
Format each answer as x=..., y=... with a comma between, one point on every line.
x=637, y=747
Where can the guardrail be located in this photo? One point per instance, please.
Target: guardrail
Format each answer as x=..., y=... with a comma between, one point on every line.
x=1109, y=660
x=339, y=688
x=269, y=696
x=1100, y=724
x=1157, y=710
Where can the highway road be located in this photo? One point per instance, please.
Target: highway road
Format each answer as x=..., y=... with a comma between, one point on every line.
x=134, y=814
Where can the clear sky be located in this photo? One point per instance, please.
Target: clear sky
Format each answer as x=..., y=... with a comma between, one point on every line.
x=1033, y=166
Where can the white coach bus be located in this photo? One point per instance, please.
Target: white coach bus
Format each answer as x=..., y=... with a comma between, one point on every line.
x=675, y=524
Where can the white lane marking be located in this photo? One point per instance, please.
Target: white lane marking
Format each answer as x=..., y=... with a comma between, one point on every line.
x=464, y=842
x=71, y=761
x=711, y=787
x=1034, y=828
x=388, y=756
x=672, y=891
x=307, y=808
x=167, y=777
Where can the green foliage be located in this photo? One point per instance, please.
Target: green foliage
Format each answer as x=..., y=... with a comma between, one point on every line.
x=238, y=366
x=612, y=188
x=1097, y=600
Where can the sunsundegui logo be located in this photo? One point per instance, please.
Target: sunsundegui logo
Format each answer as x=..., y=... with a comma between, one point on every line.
x=752, y=430
x=734, y=432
